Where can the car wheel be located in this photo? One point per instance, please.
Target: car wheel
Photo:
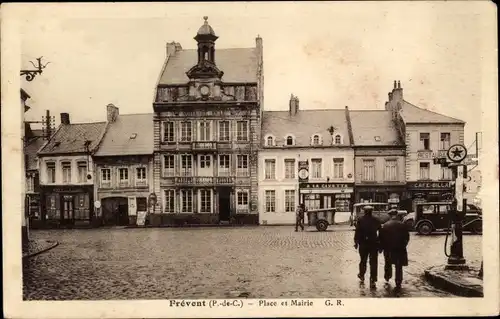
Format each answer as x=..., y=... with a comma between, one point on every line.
x=424, y=228
x=409, y=223
x=322, y=225
x=477, y=228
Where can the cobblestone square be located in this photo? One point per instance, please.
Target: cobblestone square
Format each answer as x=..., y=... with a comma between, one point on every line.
x=252, y=262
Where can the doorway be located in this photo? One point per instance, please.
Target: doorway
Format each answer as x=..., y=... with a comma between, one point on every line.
x=224, y=203
x=67, y=212
x=115, y=211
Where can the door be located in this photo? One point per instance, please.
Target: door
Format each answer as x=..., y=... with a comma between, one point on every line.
x=327, y=201
x=224, y=203
x=205, y=165
x=441, y=219
x=67, y=212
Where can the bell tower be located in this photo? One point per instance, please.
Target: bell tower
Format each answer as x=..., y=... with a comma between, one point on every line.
x=205, y=67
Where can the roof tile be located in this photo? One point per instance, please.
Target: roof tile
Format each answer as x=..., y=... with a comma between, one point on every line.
x=414, y=114
x=373, y=127
x=70, y=138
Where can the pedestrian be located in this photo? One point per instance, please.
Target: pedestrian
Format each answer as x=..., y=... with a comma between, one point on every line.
x=299, y=217
x=394, y=238
x=366, y=239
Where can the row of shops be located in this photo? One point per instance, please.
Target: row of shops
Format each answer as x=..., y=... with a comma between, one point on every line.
x=73, y=206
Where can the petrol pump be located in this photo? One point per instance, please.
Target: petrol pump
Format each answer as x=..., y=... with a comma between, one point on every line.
x=456, y=154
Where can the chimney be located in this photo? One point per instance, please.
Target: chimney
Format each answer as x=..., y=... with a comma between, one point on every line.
x=65, y=118
x=293, y=105
x=397, y=92
x=258, y=45
x=112, y=113
x=173, y=47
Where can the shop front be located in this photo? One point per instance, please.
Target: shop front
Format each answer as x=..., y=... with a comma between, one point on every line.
x=121, y=208
x=327, y=195
x=380, y=193
x=432, y=191
x=67, y=206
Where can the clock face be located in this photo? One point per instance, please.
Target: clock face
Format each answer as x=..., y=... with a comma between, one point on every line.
x=204, y=90
x=303, y=173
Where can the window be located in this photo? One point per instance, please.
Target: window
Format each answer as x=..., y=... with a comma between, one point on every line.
x=123, y=175
x=51, y=172
x=105, y=176
x=312, y=201
x=446, y=173
x=270, y=201
x=391, y=170
x=316, y=168
x=315, y=140
x=186, y=131
x=66, y=171
x=368, y=170
x=205, y=161
x=205, y=201
x=289, y=140
x=289, y=168
x=224, y=165
x=242, y=165
x=205, y=131
x=30, y=184
x=270, y=167
x=82, y=172
x=224, y=131
x=140, y=173
x=445, y=141
x=186, y=165
x=342, y=205
x=338, y=139
x=424, y=170
x=242, y=130
x=187, y=201
x=289, y=200
x=424, y=141
x=168, y=165
x=270, y=141
x=168, y=132
x=169, y=201
x=338, y=168
x=242, y=199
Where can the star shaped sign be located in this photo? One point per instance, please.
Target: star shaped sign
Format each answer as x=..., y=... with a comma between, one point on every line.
x=457, y=153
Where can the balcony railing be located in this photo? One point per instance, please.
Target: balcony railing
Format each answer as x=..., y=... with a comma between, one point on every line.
x=204, y=146
x=204, y=181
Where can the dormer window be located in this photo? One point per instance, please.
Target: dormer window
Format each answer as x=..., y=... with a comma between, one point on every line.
x=289, y=140
x=338, y=139
x=316, y=140
x=270, y=141
x=377, y=138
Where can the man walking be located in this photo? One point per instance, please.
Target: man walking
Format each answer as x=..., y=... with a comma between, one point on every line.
x=299, y=217
x=394, y=238
x=366, y=238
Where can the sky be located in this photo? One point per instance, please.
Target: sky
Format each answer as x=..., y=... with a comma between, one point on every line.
x=328, y=54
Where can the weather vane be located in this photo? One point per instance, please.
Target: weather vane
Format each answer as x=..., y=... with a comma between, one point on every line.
x=30, y=74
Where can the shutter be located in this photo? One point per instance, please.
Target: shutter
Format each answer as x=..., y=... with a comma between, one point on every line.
x=162, y=131
x=58, y=206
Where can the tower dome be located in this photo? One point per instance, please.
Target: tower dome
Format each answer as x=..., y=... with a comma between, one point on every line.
x=206, y=29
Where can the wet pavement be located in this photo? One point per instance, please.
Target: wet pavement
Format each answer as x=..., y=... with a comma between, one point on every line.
x=252, y=262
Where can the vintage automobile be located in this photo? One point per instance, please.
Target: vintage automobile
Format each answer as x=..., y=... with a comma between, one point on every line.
x=433, y=216
x=380, y=211
x=321, y=218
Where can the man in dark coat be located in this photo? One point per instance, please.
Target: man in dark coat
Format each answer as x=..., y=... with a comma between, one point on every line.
x=394, y=238
x=299, y=217
x=366, y=238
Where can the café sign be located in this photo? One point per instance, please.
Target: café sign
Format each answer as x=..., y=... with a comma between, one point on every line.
x=430, y=154
x=326, y=185
x=443, y=185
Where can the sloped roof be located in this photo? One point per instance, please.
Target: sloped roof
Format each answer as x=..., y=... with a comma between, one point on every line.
x=31, y=150
x=238, y=64
x=304, y=125
x=118, y=141
x=414, y=114
x=373, y=127
x=70, y=138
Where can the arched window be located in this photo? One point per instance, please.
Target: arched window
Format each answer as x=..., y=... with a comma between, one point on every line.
x=270, y=141
x=338, y=139
x=316, y=139
x=289, y=140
